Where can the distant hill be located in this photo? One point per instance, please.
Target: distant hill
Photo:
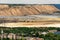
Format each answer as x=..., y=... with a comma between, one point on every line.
x=23, y=10
x=29, y=16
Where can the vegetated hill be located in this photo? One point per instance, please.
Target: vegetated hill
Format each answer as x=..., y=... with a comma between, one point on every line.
x=5, y=10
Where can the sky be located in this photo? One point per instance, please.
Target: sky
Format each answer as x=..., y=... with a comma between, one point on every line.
x=57, y=5
x=55, y=2
x=30, y=1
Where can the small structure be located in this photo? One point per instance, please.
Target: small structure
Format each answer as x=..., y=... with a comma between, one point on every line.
x=5, y=35
x=12, y=36
x=44, y=33
x=52, y=31
x=33, y=38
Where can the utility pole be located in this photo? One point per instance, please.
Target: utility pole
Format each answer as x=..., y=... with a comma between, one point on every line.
x=2, y=34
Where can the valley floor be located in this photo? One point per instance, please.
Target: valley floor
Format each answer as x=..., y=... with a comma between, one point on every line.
x=34, y=21
x=31, y=24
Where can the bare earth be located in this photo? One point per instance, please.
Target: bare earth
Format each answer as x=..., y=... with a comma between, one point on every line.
x=31, y=24
x=37, y=20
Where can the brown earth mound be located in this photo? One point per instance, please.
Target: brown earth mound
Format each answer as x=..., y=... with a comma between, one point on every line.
x=5, y=10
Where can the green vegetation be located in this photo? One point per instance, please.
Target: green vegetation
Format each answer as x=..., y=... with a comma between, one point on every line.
x=51, y=36
x=33, y=32
x=28, y=31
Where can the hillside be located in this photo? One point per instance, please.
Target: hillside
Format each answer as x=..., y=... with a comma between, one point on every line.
x=5, y=10
x=29, y=16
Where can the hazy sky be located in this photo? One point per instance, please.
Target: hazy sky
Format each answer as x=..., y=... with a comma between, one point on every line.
x=30, y=1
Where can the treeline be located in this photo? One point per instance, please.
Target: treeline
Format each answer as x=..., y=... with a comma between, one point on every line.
x=27, y=30
x=33, y=32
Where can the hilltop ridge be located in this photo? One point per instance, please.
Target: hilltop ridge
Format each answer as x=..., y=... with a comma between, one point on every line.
x=5, y=10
